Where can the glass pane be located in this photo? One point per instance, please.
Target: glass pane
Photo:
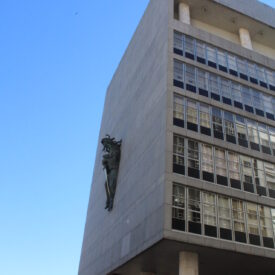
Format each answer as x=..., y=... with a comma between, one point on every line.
x=232, y=63
x=229, y=124
x=252, y=131
x=190, y=75
x=178, y=196
x=225, y=88
x=189, y=45
x=202, y=79
x=207, y=158
x=220, y=162
x=234, y=165
x=201, y=50
x=178, y=107
x=211, y=54
x=178, y=156
x=178, y=71
x=193, y=154
x=192, y=112
x=209, y=209
x=252, y=218
x=222, y=60
x=178, y=41
x=270, y=175
x=204, y=116
x=259, y=172
x=246, y=169
x=213, y=84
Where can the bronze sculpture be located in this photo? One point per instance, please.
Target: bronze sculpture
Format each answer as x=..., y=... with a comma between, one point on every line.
x=110, y=164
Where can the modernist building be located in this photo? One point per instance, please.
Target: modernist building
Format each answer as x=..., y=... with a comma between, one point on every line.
x=193, y=101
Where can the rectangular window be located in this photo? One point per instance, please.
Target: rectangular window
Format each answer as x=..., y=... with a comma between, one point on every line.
x=193, y=159
x=264, y=139
x=270, y=178
x=271, y=79
x=222, y=61
x=178, y=43
x=252, y=73
x=178, y=110
x=220, y=165
x=178, y=155
x=241, y=131
x=224, y=211
x=266, y=226
x=226, y=91
x=234, y=170
x=202, y=82
x=247, y=175
x=268, y=107
x=259, y=177
x=194, y=211
x=209, y=214
x=201, y=52
x=229, y=127
x=192, y=116
x=190, y=76
x=232, y=64
x=242, y=67
x=217, y=123
x=189, y=47
x=238, y=220
x=237, y=95
x=258, y=103
x=272, y=138
x=214, y=87
x=178, y=74
x=205, y=127
x=261, y=76
x=211, y=57
x=178, y=215
x=273, y=219
x=253, y=135
x=247, y=99
x=207, y=163
x=253, y=224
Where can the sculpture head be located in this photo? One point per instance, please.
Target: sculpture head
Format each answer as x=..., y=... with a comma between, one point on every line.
x=110, y=143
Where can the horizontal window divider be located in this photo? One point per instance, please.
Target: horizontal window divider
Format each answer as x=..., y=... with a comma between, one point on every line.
x=221, y=43
x=222, y=74
x=219, y=190
x=221, y=144
x=214, y=103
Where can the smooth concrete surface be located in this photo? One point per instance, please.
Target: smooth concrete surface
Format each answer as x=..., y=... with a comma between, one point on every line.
x=252, y=8
x=134, y=111
x=245, y=38
x=222, y=20
x=188, y=263
x=223, y=43
x=137, y=236
x=163, y=259
x=184, y=13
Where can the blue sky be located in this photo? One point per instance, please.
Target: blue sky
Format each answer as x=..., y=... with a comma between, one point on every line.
x=57, y=59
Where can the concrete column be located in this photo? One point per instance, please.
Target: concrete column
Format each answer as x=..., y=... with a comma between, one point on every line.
x=184, y=13
x=189, y=263
x=245, y=38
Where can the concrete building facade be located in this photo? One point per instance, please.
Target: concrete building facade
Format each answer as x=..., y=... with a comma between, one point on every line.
x=193, y=100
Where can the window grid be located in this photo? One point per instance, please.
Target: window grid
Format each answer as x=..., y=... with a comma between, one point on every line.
x=224, y=125
x=223, y=167
x=223, y=90
x=209, y=214
x=224, y=61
